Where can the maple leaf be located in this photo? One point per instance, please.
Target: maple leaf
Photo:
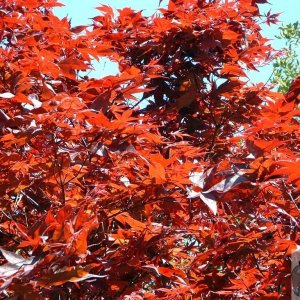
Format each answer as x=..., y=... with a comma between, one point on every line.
x=15, y=267
x=71, y=275
x=291, y=169
x=171, y=179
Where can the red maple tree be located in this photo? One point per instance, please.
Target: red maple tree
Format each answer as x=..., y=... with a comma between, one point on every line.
x=176, y=179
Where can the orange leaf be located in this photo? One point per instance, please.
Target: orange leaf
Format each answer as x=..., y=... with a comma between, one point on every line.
x=157, y=171
x=233, y=70
x=125, y=218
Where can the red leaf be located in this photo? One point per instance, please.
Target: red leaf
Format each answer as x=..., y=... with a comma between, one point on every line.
x=165, y=271
x=157, y=171
x=233, y=70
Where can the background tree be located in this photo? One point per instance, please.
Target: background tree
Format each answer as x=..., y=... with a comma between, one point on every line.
x=287, y=67
x=193, y=194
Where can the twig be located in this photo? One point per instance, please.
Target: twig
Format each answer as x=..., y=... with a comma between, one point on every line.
x=213, y=141
x=291, y=197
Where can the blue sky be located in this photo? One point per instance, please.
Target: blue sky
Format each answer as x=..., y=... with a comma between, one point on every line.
x=80, y=11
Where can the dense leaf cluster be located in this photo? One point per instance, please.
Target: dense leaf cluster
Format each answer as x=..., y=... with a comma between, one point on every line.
x=287, y=66
x=175, y=179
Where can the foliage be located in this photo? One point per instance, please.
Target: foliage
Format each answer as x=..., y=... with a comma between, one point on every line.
x=189, y=191
x=287, y=66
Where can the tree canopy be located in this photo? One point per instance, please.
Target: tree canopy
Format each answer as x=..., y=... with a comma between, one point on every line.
x=175, y=179
x=287, y=66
